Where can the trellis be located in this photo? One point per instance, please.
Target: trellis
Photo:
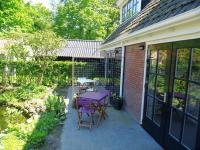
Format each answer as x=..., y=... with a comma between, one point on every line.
x=105, y=70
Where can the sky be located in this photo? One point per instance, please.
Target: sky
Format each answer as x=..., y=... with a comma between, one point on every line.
x=45, y=3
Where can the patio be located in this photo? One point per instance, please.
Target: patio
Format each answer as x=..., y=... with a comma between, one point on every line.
x=118, y=132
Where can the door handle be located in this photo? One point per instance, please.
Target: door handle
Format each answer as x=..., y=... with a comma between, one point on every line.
x=164, y=95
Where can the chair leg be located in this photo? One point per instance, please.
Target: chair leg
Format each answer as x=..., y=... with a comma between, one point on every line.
x=99, y=119
x=92, y=115
x=79, y=119
x=103, y=114
x=91, y=121
x=106, y=114
x=78, y=126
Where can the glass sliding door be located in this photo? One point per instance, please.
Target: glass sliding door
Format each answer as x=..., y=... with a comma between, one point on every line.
x=156, y=90
x=185, y=102
x=172, y=96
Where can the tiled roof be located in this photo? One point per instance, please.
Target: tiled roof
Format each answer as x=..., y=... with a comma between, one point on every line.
x=154, y=12
x=80, y=48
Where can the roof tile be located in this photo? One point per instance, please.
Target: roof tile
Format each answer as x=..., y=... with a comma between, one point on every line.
x=80, y=48
x=154, y=12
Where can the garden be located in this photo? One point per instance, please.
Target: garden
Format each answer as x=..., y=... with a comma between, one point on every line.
x=30, y=106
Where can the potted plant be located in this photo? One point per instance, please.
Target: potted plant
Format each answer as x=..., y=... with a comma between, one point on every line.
x=74, y=101
x=116, y=102
x=112, y=98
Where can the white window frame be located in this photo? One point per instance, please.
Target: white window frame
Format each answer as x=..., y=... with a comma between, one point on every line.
x=131, y=8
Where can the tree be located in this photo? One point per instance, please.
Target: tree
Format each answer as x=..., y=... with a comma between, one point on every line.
x=42, y=18
x=43, y=45
x=16, y=14
x=18, y=51
x=86, y=19
x=38, y=47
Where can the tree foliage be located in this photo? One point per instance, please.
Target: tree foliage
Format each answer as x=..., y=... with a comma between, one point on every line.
x=38, y=46
x=86, y=19
x=18, y=51
x=18, y=15
x=44, y=45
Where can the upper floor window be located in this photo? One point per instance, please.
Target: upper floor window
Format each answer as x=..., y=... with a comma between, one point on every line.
x=130, y=8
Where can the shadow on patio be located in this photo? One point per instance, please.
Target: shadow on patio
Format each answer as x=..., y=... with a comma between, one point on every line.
x=118, y=132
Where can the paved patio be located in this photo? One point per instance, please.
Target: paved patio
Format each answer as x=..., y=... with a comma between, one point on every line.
x=118, y=132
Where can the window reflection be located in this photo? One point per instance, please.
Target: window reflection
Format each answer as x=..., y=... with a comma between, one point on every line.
x=182, y=63
x=153, y=61
x=149, y=110
x=195, y=73
x=162, y=60
x=151, y=84
x=176, y=123
x=160, y=87
x=157, y=112
x=190, y=133
x=179, y=94
x=193, y=100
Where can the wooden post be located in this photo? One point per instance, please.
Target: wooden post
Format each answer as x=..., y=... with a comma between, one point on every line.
x=73, y=90
x=106, y=61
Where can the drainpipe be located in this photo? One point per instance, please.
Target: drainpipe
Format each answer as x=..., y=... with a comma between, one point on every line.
x=144, y=79
x=106, y=62
x=122, y=70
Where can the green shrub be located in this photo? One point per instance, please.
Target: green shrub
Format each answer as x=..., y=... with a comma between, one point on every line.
x=23, y=93
x=7, y=96
x=47, y=121
x=12, y=142
x=57, y=72
x=56, y=104
x=30, y=71
x=45, y=124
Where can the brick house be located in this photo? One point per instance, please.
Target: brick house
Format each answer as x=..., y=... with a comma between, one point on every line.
x=160, y=67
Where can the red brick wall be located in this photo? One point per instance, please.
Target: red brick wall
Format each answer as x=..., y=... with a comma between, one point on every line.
x=133, y=80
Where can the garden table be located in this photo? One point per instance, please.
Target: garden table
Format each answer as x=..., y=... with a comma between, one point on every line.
x=99, y=99
x=96, y=96
x=84, y=80
x=83, y=84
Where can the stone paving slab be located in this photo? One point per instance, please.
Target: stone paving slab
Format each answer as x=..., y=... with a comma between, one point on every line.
x=118, y=132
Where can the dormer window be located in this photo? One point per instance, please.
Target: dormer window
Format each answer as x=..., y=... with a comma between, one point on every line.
x=130, y=8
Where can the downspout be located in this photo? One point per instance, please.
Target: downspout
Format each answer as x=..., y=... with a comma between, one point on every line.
x=106, y=62
x=122, y=70
x=144, y=79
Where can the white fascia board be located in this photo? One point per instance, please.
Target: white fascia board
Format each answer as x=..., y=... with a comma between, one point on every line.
x=168, y=24
x=120, y=3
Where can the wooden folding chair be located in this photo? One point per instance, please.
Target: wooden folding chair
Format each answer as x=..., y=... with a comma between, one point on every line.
x=102, y=106
x=85, y=106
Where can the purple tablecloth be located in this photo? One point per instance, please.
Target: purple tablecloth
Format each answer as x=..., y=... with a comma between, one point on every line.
x=98, y=96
